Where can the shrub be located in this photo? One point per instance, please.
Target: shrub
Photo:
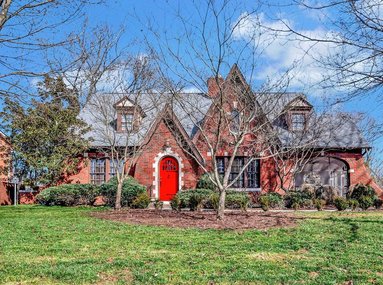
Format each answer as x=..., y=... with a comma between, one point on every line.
x=270, y=200
x=196, y=199
x=297, y=199
x=364, y=194
x=265, y=202
x=158, y=205
x=175, y=203
x=141, y=201
x=365, y=202
x=237, y=200
x=204, y=182
x=68, y=195
x=309, y=190
x=341, y=203
x=131, y=189
x=378, y=203
x=327, y=193
x=319, y=204
x=361, y=190
x=193, y=198
x=353, y=204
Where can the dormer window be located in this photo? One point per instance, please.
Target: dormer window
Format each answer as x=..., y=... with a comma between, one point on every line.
x=129, y=116
x=298, y=121
x=127, y=120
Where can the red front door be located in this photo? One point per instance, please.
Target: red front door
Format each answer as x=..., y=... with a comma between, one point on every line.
x=168, y=178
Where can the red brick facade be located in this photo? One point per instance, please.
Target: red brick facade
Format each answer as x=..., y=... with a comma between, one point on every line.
x=161, y=142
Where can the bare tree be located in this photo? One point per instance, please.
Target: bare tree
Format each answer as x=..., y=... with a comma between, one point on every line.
x=29, y=30
x=235, y=125
x=118, y=118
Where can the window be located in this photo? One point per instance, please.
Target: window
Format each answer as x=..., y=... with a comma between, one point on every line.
x=235, y=121
x=221, y=165
x=253, y=174
x=114, y=166
x=126, y=122
x=298, y=121
x=249, y=178
x=97, y=171
x=235, y=170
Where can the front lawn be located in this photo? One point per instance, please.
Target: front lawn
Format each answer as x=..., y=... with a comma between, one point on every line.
x=52, y=245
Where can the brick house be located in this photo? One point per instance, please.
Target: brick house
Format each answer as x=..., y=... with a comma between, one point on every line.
x=173, y=149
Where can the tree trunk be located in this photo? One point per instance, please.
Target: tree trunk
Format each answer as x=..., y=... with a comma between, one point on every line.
x=221, y=205
x=117, y=206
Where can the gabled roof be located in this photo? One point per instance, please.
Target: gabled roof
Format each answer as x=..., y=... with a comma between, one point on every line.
x=167, y=115
x=189, y=110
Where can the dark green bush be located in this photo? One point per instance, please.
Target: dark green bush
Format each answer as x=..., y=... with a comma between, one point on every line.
x=364, y=194
x=319, y=204
x=341, y=203
x=237, y=200
x=130, y=190
x=175, y=203
x=365, y=202
x=353, y=204
x=196, y=199
x=191, y=199
x=360, y=190
x=68, y=195
x=297, y=199
x=270, y=200
x=327, y=193
x=142, y=201
x=204, y=182
x=378, y=203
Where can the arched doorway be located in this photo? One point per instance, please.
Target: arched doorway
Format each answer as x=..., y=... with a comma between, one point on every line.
x=331, y=171
x=168, y=178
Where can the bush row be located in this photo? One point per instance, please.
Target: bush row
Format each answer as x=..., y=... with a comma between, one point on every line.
x=134, y=195
x=360, y=196
x=196, y=199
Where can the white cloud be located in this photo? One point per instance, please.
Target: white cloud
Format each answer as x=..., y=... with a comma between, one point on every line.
x=283, y=50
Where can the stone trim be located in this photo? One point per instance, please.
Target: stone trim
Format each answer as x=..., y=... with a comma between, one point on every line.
x=167, y=152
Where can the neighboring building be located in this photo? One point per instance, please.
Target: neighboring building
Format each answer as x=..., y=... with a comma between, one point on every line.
x=165, y=166
x=5, y=148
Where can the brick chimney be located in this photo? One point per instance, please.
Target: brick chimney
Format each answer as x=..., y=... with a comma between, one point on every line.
x=212, y=85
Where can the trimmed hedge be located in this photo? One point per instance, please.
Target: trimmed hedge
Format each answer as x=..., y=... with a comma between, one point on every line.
x=341, y=203
x=68, y=195
x=131, y=189
x=196, y=199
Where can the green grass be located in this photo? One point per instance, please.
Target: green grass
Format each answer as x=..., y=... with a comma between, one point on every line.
x=55, y=245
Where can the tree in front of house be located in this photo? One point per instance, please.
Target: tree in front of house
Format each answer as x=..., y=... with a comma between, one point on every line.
x=119, y=119
x=46, y=136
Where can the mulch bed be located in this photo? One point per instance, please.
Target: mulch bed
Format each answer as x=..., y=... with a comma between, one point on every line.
x=235, y=220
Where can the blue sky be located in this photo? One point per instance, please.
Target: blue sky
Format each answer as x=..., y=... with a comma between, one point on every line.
x=278, y=54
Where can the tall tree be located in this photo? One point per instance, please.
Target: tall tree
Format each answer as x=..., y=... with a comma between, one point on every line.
x=47, y=136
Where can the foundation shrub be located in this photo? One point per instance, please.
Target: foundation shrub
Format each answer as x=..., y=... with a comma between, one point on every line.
x=353, y=204
x=364, y=194
x=270, y=200
x=204, y=182
x=378, y=203
x=131, y=189
x=68, y=195
x=296, y=199
x=237, y=200
x=341, y=203
x=142, y=201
